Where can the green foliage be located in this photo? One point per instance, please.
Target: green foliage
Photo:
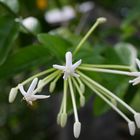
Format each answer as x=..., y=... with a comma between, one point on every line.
x=8, y=34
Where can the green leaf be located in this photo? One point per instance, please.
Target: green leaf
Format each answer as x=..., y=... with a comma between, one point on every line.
x=127, y=53
x=8, y=34
x=12, y=4
x=55, y=44
x=24, y=59
x=99, y=106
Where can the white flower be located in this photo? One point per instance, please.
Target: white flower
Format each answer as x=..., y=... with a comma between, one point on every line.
x=30, y=96
x=137, y=74
x=69, y=68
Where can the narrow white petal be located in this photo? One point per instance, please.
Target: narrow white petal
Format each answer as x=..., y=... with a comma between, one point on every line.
x=135, y=81
x=65, y=76
x=135, y=74
x=132, y=128
x=21, y=88
x=77, y=129
x=59, y=67
x=40, y=96
x=68, y=59
x=137, y=119
x=32, y=86
x=75, y=75
x=75, y=65
x=138, y=62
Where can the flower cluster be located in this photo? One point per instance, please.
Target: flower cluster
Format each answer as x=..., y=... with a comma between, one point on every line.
x=74, y=81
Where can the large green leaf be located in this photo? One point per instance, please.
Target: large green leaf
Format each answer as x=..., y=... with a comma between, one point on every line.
x=12, y=4
x=55, y=44
x=25, y=58
x=8, y=34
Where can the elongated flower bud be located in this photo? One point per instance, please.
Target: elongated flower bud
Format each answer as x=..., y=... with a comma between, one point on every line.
x=137, y=119
x=132, y=128
x=77, y=129
x=40, y=84
x=114, y=102
x=58, y=119
x=82, y=88
x=101, y=19
x=82, y=101
x=63, y=119
x=13, y=94
x=52, y=86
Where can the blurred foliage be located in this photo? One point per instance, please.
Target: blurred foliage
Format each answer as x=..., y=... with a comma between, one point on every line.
x=23, y=54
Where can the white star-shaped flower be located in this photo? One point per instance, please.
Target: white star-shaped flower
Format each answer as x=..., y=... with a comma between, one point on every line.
x=69, y=68
x=136, y=80
x=30, y=96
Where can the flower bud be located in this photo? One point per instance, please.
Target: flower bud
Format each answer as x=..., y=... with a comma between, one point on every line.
x=132, y=128
x=52, y=86
x=13, y=94
x=101, y=19
x=58, y=118
x=82, y=88
x=113, y=101
x=137, y=119
x=77, y=129
x=39, y=86
x=82, y=101
x=32, y=24
x=63, y=119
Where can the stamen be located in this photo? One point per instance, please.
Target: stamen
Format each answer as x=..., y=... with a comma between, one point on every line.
x=132, y=128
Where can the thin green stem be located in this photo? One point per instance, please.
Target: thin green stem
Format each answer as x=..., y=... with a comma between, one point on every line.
x=119, y=67
x=106, y=100
x=77, y=87
x=105, y=70
x=86, y=36
x=65, y=96
x=37, y=75
x=106, y=91
x=47, y=80
x=73, y=100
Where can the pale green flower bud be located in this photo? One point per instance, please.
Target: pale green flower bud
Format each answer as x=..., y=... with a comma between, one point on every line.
x=132, y=128
x=59, y=119
x=82, y=101
x=39, y=86
x=137, y=119
x=114, y=102
x=101, y=19
x=82, y=88
x=63, y=119
x=77, y=129
x=13, y=94
x=52, y=86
